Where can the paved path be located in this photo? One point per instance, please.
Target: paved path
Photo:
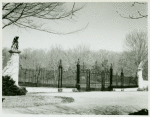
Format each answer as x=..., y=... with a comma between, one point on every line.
x=90, y=103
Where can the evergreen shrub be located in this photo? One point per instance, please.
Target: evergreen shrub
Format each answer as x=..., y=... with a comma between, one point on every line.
x=10, y=89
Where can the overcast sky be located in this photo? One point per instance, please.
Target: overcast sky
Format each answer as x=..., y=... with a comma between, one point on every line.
x=106, y=29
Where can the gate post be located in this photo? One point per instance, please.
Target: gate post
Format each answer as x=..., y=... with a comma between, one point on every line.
x=88, y=80
x=60, y=75
x=136, y=79
x=111, y=76
x=78, y=76
x=122, y=78
x=116, y=79
x=103, y=80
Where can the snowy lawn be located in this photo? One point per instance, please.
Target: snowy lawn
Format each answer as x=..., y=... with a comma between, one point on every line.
x=83, y=103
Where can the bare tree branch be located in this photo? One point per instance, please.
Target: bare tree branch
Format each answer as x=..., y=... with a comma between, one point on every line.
x=11, y=11
x=139, y=16
x=132, y=17
x=44, y=30
x=25, y=15
x=5, y=6
x=137, y=3
x=137, y=45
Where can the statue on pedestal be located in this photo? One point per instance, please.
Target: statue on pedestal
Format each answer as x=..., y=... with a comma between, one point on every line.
x=15, y=43
x=12, y=67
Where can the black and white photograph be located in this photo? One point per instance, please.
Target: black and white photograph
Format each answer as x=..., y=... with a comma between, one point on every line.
x=74, y=57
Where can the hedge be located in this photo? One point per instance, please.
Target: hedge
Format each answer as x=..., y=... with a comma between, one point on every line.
x=10, y=89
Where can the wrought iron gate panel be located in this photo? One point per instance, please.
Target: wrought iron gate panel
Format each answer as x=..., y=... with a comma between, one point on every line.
x=69, y=79
x=83, y=78
x=38, y=77
x=95, y=80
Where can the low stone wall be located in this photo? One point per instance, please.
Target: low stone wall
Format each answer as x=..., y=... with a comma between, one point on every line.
x=126, y=89
x=47, y=90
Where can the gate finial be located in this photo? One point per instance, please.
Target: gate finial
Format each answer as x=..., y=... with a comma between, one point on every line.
x=111, y=66
x=60, y=63
x=78, y=62
x=122, y=70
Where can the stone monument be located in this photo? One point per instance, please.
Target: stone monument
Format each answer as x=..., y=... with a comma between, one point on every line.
x=140, y=78
x=12, y=67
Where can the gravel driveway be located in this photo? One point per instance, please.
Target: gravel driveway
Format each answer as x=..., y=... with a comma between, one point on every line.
x=104, y=103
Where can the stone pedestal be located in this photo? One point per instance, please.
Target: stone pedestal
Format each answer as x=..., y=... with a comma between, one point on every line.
x=140, y=78
x=12, y=67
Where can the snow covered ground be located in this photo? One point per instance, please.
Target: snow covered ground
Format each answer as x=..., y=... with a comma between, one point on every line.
x=104, y=103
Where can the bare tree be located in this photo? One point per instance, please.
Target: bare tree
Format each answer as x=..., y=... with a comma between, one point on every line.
x=137, y=44
x=127, y=63
x=136, y=54
x=28, y=15
x=139, y=14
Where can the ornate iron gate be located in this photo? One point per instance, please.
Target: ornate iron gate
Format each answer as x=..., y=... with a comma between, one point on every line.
x=81, y=78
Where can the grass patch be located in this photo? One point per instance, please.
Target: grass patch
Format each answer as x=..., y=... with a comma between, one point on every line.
x=30, y=101
x=108, y=110
x=66, y=99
